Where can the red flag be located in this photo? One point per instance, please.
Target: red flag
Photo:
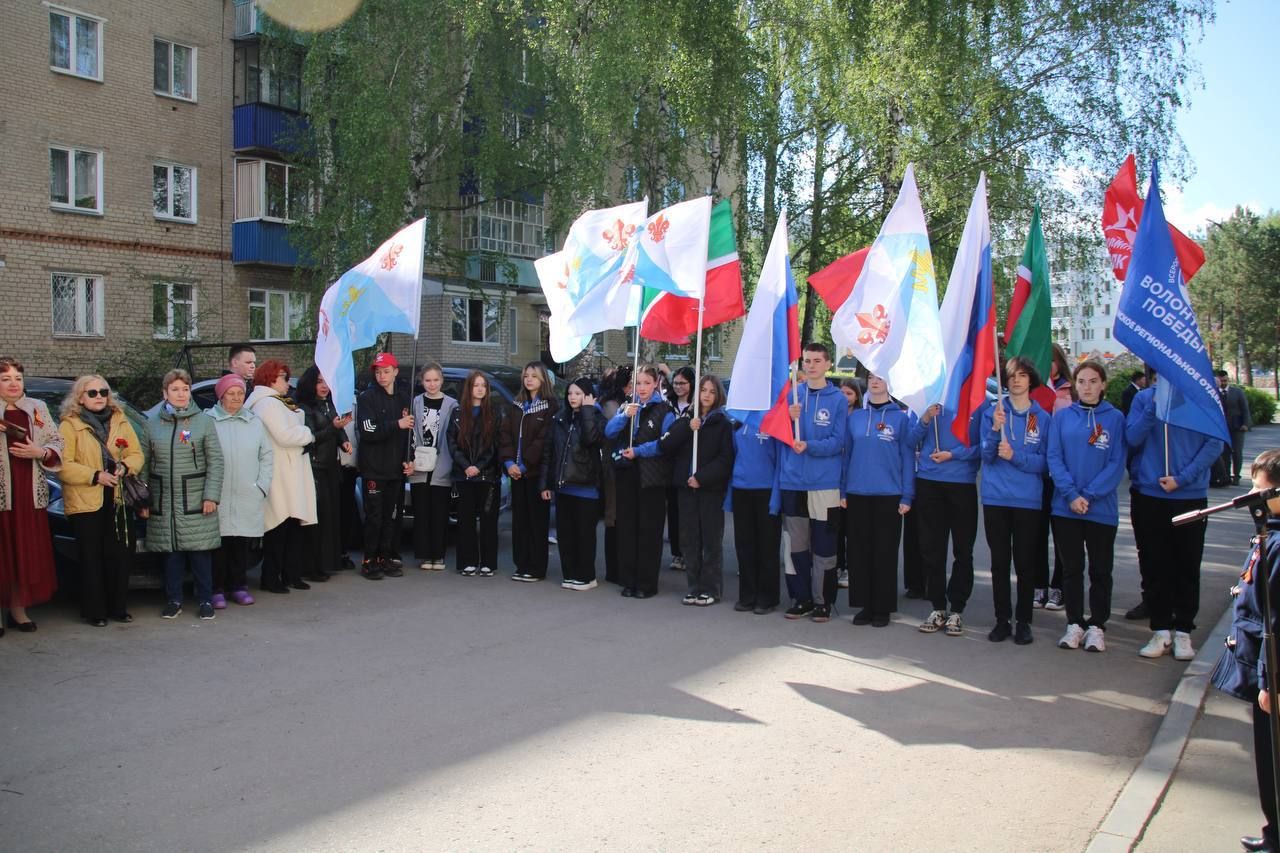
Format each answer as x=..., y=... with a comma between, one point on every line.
x=835, y=281
x=1121, y=213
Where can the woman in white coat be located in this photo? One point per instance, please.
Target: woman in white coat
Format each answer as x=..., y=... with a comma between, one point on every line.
x=246, y=480
x=291, y=502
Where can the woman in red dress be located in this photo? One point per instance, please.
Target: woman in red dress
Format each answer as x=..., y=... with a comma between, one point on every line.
x=29, y=445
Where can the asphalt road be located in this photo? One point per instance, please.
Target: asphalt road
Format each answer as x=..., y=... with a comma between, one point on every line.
x=436, y=712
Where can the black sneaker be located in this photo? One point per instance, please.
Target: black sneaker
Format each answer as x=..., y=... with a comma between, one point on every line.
x=394, y=563
x=1022, y=634
x=370, y=570
x=821, y=613
x=863, y=617
x=206, y=610
x=1001, y=632
x=392, y=570
x=1137, y=613
x=743, y=607
x=799, y=610
x=171, y=610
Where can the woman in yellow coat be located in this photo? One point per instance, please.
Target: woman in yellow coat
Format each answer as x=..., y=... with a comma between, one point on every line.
x=101, y=448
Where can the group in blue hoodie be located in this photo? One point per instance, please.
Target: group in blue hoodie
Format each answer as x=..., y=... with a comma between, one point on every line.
x=1169, y=475
x=755, y=501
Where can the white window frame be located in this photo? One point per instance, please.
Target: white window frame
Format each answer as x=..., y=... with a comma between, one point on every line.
x=486, y=304
x=513, y=334
x=88, y=308
x=168, y=214
x=193, y=65
x=288, y=298
x=259, y=199
x=72, y=15
x=70, y=204
x=170, y=333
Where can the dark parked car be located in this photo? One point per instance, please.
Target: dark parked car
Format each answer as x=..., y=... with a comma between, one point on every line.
x=147, y=570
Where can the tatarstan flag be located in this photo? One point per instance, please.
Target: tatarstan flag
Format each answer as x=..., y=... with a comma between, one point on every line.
x=1027, y=328
x=673, y=319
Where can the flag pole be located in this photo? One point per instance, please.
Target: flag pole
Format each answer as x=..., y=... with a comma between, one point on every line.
x=1166, y=449
x=635, y=383
x=995, y=339
x=697, y=376
x=795, y=396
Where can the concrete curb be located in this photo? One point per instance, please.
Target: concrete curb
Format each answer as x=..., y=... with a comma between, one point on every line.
x=1141, y=796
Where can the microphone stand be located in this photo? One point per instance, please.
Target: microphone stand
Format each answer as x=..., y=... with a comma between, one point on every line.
x=1257, y=504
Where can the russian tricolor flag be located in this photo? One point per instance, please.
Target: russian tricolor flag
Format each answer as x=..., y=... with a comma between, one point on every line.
x=760, y=385
x=968, y=318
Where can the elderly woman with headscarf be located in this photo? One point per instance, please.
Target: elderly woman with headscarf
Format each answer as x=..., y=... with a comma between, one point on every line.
x=245, y=485
x=101, y=448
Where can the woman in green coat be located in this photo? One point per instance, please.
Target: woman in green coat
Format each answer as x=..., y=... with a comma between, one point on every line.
x=185, y=461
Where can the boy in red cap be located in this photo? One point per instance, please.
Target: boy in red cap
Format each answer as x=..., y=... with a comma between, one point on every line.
x=384, y=422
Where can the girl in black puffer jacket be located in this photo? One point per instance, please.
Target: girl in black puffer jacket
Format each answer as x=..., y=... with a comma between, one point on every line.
x=477, y=474
x=702, y=490
x=572, y=470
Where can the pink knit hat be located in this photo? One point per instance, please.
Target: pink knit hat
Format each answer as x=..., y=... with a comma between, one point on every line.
x=229, y=381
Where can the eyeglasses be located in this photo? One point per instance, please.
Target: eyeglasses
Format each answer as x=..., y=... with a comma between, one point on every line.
x=97, y=392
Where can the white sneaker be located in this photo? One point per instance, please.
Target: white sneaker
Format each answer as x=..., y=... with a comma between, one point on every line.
x=1095, y=639
x=933, y=623
x=1055, y=600
x=1182, y=648
x=842, y=579
x=1157, y=645
x=1071, y=639
x=955, y=627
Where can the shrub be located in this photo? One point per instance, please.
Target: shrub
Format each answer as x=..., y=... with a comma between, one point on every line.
x=1262, y=405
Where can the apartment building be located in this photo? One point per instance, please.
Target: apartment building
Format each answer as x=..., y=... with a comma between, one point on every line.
x=1085, y=296
x=146, y=198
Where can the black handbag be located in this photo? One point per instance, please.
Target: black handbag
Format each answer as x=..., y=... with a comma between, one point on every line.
x=136, y=493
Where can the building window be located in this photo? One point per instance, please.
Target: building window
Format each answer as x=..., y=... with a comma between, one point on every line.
x=175, y=70
x=278, y=315
x=77, y=304
x=268, y=76
x=513, y=334
x=474, y=320
x=673, y=192
x=173, y=192
x=75, y=44
x=508, y=227
x=712, y=344
x=1106, y=309
x=75, y=179
x=1106, y=333
x=173, y=310
x=631, y=183
x=269, y=190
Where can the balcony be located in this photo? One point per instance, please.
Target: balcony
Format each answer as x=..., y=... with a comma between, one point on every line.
x=511, y=272
x=246, y=19
x=263, y=127
x=263, y=242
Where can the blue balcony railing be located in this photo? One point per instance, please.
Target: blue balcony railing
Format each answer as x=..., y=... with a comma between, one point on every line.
x=259, y=241
x=265, y=127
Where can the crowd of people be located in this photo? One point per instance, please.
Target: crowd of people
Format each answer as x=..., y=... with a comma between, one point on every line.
x=268, y=474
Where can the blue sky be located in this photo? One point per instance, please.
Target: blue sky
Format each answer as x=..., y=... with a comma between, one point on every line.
x=1232, y=126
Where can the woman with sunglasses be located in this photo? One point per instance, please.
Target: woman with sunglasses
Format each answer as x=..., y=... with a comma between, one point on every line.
x=101, y=449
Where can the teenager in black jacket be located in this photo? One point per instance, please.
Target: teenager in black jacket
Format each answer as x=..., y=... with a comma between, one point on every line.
x=702, y=491
x=382, y=413
x=572, y=472
x=522, y=447
x=477, y=475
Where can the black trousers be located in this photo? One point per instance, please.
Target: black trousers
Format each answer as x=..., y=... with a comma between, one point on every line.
x=1234, y=455
x=231, y=563
x=875, y=529
x=576, y=521
x=477, y=508
x=836, y=517
x=947, y=510
x=284, y=554
x=1043, y=578
x=1074, y=537
x=325, y=538
x=430, y=519
x=104, y=560
x=530, y=518
x=1012, y=536
x=380, y=516
x=1262, y=764
x=1168, y=559
x=702, y=532
x=610, y=553
x=673, y=521
x=641, y=513
x=352, y=534
x=913, y=575
x=757, y=538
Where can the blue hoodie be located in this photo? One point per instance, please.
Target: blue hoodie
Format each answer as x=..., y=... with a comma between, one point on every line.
x=822, y=424
x=1086, y=465
x=962, y=467
x=618, y=424
x=881, y=459
x=1191, y=454
x=1016, y=482
x=755, y=463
